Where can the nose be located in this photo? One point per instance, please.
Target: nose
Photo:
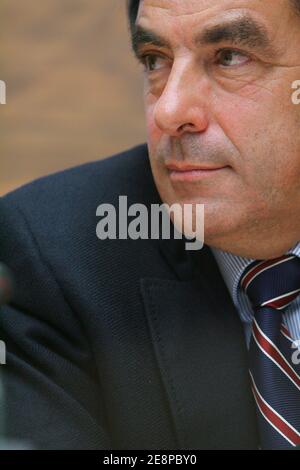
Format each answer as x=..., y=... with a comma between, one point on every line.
x=182, y=105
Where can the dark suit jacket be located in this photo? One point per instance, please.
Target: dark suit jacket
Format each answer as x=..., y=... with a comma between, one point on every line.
x=116, y=344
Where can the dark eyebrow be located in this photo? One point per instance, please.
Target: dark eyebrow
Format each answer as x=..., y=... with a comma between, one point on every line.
x=243, y=31
x=142, y=36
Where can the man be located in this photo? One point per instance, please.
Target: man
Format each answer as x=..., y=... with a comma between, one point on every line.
x=135, y=344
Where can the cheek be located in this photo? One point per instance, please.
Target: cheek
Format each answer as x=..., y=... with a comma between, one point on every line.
x=268, y=162
x=248, y=122
x=258, y=117
x=240, y=118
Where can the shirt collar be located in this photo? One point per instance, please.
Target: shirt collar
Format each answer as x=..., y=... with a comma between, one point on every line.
x=232, y=268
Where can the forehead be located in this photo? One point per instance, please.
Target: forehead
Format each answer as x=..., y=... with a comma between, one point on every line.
x=182, y=14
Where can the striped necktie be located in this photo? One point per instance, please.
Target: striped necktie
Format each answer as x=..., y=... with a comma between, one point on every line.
x=271, y=286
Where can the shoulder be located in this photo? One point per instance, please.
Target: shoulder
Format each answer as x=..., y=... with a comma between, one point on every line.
x=48, y=230
x=67, y=200
x=54, y=219
x=83, y=182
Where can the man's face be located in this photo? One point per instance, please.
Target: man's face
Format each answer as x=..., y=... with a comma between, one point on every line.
x=218, y=87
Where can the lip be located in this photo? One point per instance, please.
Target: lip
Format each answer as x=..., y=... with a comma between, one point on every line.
x=192, y=172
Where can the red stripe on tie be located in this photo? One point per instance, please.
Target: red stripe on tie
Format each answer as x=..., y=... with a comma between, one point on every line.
x=269, y=349
x=259, y=267
x=275, y=419
x=283, y=302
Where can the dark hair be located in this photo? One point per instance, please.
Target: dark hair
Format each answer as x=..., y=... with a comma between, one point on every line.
x=296, y=4
x=133, y=6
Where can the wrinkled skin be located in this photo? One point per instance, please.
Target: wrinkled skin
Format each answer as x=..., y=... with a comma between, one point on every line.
x=232, y=110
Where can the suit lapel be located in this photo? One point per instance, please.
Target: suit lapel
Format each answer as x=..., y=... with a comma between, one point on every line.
x=200, y=349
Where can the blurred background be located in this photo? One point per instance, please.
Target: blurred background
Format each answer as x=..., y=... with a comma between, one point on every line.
x=74, y=89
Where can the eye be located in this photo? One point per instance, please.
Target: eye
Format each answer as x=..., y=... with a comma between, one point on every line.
x=232, y=58
x=152, y=62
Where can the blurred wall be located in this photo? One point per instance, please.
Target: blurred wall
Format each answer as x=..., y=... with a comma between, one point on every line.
x=74, y=89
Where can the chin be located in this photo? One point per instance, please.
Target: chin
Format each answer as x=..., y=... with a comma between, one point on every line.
x=217, y=223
